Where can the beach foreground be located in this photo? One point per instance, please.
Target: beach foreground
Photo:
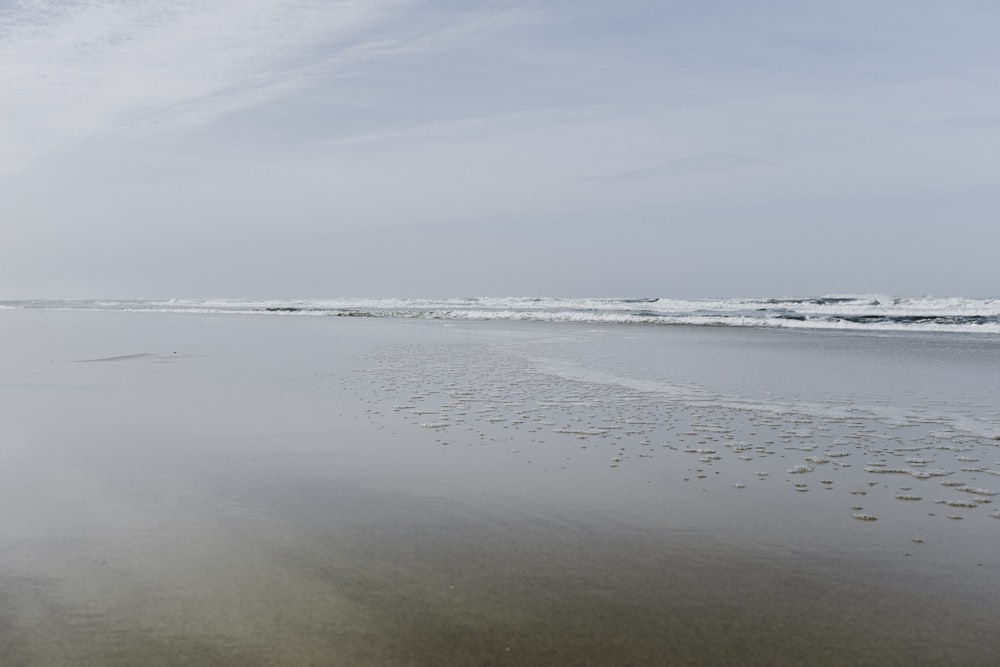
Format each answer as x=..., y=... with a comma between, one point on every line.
x=291, y=490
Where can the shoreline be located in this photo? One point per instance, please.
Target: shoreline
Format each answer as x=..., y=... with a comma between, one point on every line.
x=266, y=496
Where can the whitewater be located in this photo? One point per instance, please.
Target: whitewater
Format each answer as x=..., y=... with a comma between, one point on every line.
x=840, y=312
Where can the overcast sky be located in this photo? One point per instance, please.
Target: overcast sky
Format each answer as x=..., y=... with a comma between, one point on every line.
x=310, y=148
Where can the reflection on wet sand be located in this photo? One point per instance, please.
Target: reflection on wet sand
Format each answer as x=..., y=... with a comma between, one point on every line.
x=296, y=491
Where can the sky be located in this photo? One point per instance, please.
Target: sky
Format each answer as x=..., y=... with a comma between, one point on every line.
x=440, y=148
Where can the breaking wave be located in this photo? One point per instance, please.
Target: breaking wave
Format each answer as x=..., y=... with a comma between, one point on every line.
x=850, y=312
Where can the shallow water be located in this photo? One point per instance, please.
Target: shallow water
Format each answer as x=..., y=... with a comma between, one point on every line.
x=206, y=489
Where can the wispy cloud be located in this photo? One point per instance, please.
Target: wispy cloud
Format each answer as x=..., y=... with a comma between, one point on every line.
x=459, y=126
x=433, y=36
x=77, y=69
x=691, y=165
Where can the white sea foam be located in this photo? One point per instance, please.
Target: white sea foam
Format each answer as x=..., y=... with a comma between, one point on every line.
x=861, y=313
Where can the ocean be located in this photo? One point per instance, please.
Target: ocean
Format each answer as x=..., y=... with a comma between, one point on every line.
x=849, y=312
x=500, y=481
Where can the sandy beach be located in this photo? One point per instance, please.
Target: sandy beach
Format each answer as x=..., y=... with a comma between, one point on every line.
x=293, y=490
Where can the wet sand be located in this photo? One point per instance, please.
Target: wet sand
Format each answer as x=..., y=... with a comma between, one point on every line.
x=287, y=490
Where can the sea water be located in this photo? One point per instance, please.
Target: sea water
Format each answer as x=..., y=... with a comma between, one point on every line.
x=850, y=312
